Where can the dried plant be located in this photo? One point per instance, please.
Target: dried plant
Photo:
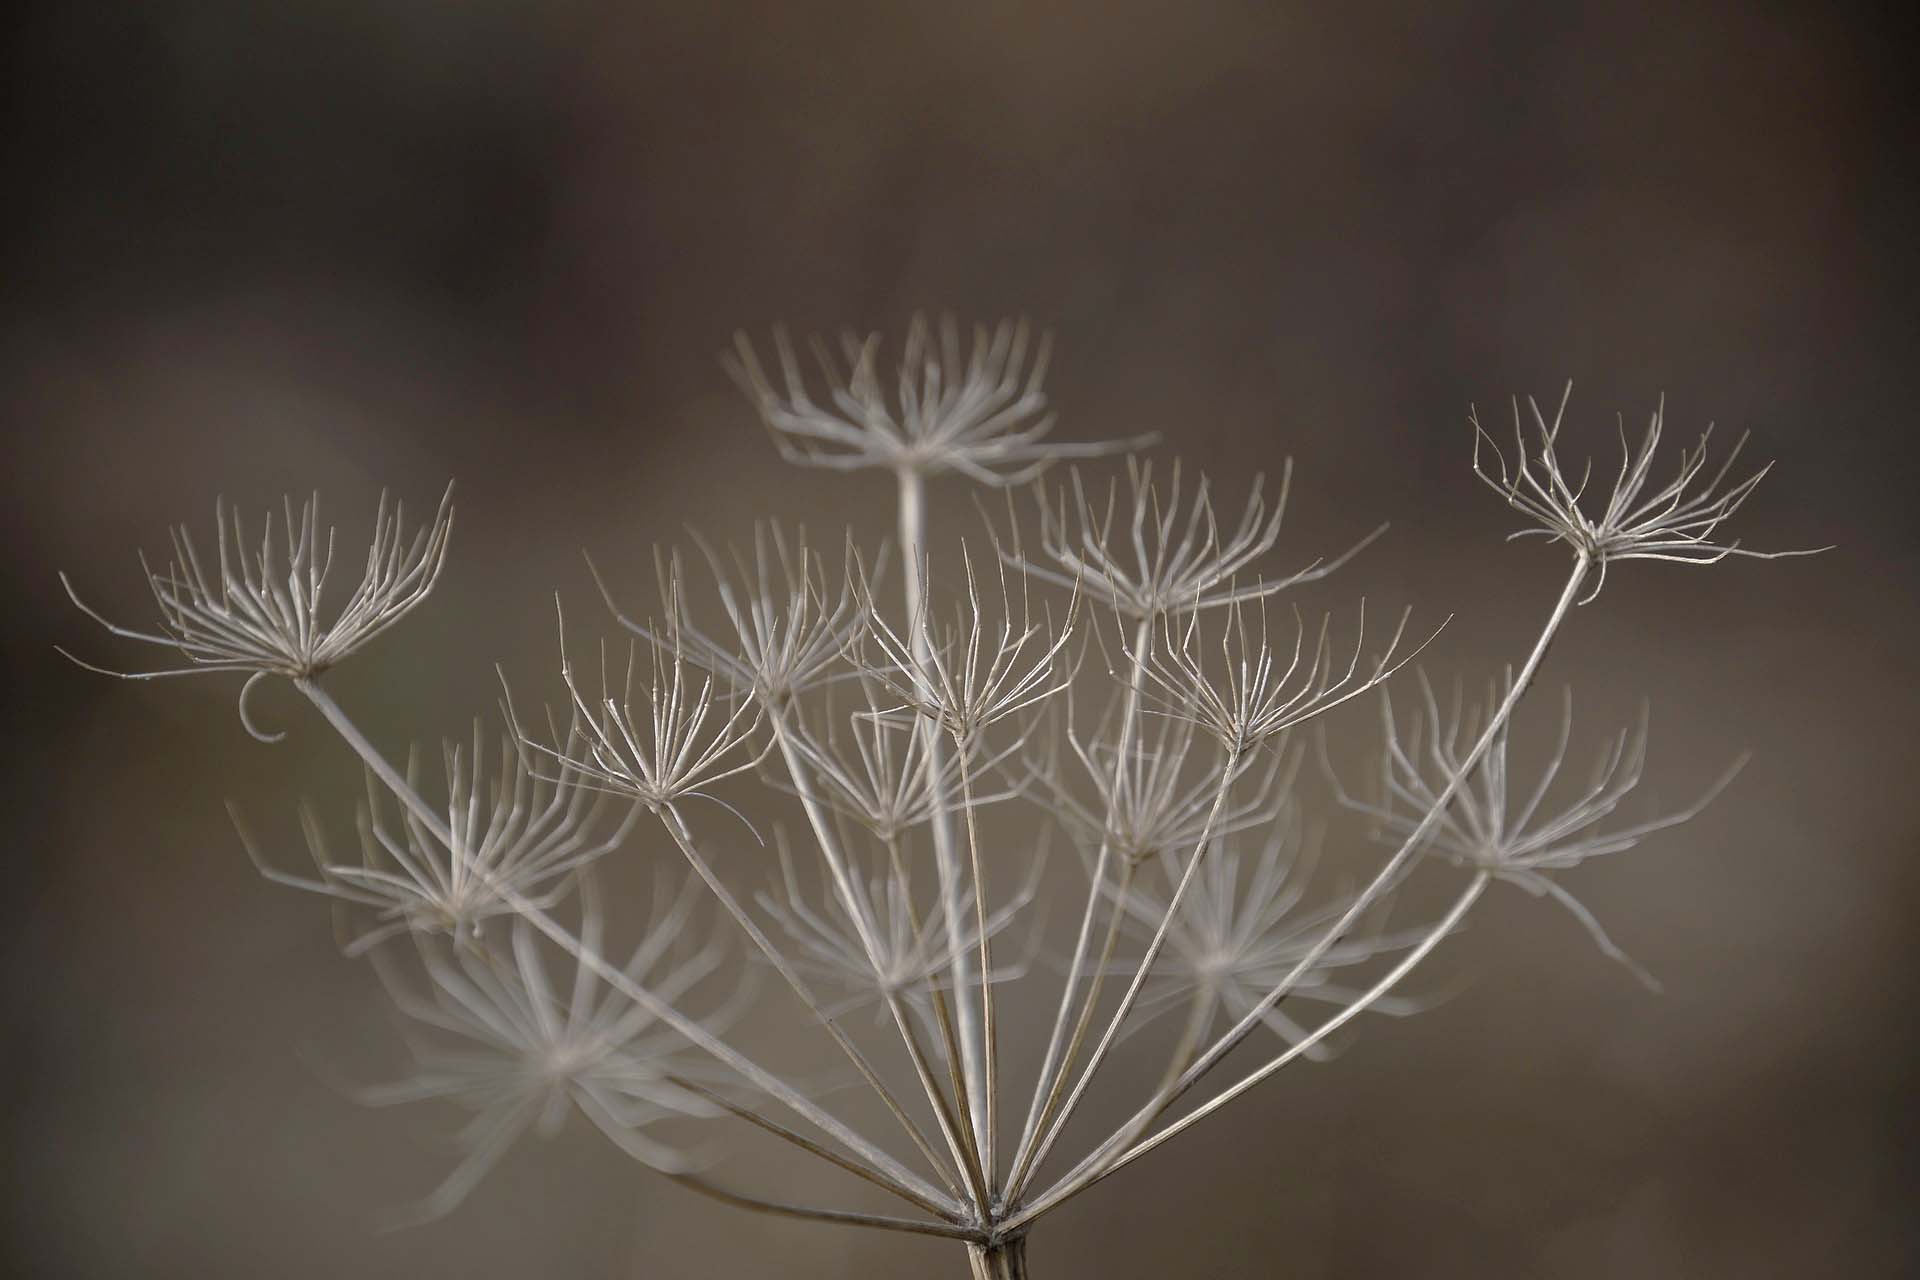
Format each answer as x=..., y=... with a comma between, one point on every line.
x=519, y=830
x=248, y=618
x=788, y=629
x=1509, y=837
x=491, y=1034
x=1677, y=522
x=1241, y=929
x=687, y=740
x=1166, y=562
x=1153, y=799
x=982, y=415
x=912, y=956
x=896, y=730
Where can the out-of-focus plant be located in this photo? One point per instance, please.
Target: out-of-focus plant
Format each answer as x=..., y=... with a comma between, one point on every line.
x=896, y=729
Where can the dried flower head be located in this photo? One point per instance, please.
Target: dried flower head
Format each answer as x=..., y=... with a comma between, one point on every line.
x=1240, y=930
x=1511, y=837
x=789, y=634
x=493, y=1035
x=1677, y=521
x=983, y=415
x=686, y=740
x=261, y=612
x=974, y=672
x=1158, y=797
x=514, y=833
x=1254, y=697
x=1163, y=560
x=887, y=776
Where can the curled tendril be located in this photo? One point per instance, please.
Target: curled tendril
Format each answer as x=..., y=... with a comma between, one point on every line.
x=246, y=721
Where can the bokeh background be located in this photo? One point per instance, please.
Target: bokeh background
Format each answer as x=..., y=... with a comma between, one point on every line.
x=350, y=244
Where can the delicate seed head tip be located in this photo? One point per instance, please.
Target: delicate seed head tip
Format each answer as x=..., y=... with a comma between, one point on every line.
x=1640, y=519
x=1170, y=555
x=982, y=415
x=256, y=608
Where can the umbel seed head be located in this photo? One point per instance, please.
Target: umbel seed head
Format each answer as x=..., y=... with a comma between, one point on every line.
x=258, y=609
x=982, y=414
x=1164, y=551
x=1678, y=521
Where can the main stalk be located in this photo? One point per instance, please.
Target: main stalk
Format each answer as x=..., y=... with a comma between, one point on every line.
x=1006, y=1260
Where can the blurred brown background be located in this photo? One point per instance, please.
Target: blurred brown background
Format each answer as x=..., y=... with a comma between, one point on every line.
x=348, y=244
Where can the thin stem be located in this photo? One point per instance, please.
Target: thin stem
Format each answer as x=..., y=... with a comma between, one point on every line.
x=782, y=1132
x=1057, y=1090
x=942, y=1013
x=878, y=1222
x=676, y=826
x=1055, y=1066
x=885, y=1170
x=1088, y=1172
x=1410, y=846
x=913, y=537
x=1199, y=1015
x=958, y=1130
x=1097, y=1166
x=402, y=790
x=991, y=1126
x=1227, y=773
x=880, y=1167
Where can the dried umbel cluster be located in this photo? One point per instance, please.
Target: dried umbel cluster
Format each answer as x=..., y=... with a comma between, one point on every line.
x=1131, y=675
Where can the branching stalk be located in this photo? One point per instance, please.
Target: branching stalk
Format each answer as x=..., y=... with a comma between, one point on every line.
x=1091, y=1170
x=882, y=1167
x=676, y=826
x=477, y=882
x=1227, y=774
x=781, y=1209
x=1103, y=1162
x=958, y=1130
x=1055, y=1066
